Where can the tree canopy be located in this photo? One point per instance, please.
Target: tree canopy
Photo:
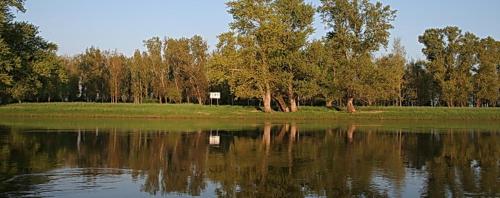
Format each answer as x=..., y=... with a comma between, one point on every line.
x=267, y=58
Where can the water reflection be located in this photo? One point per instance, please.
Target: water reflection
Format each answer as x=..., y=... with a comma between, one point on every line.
x=268, y=161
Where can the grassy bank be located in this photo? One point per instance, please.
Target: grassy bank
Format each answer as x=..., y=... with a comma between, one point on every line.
x=191, y=111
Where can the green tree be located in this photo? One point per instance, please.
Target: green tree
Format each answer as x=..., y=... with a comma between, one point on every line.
x=94, y=75
x=71, y=89
x=137, y=82
x=486, y=79
x=268, y=38
x=197, y=73
x=294, y=77
x=8, y=62
x=223, y=57
x=451, y=57
x=466, y=61
x=391, y=69
x=322, y=74
x=358, y=28
x=52, y=77
x=417, y=87
x=158, y=67
x=179, y=59
x=187, y=59
x=117, y=74
x=21, y=48
x=253, y=26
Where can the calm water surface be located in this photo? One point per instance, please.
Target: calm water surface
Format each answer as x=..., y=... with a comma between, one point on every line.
x=265, y=160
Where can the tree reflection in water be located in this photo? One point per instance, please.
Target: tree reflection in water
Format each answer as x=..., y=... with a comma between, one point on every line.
x=270, y=161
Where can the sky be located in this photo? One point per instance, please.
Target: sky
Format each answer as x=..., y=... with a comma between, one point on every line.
x=123, y=24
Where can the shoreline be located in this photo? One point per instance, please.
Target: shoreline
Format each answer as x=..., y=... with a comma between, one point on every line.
x=240, y=113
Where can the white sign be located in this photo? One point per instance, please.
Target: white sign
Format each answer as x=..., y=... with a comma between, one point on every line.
x=214, y=95
x=214, y=140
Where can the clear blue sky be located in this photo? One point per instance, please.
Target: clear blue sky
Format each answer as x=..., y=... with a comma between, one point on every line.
x=123, y=24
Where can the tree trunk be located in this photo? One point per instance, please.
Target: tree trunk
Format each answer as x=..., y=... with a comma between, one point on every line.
x=400, y=96
x=291, y=98
x=281, y=103
x=200, y=96
x=266, y=98
x=329, y=103
x=177, y=87
x=350, y=105
x=293, y=105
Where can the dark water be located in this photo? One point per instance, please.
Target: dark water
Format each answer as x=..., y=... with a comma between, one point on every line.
x=268, y=160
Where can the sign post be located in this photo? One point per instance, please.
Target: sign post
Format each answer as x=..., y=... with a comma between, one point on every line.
x=214, y=95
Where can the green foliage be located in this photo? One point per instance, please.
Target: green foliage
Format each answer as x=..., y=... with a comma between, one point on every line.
x=7, y=63
x=486, y=80
x=319, y=79
x=94, y=75
x=6, y=15
x=261, y=56
x=452, y=58
x=417, y=84
x=51, y=75
x=29, y=67
x=138, y=77
x=358, y=26
x=157, y=67
x=357, y=29
x=186, y=59
x=118, y=69
x=70, y=90
x=389, y=74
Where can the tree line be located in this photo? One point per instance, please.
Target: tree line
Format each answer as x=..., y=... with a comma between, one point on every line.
x=266, y=57
x=170, y=70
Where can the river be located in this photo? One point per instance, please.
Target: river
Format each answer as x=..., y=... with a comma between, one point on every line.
x=261, y=159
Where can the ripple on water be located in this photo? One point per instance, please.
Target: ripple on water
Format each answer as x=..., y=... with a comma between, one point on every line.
x=61, y=182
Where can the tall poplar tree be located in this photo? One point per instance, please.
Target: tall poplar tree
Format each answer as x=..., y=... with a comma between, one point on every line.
x=357, y=29
x=391, y=67
x=94, y=75
x=137, y=82
x=117, y=75
x=158, y=67
x=451, y=57
x=486, y=80
x=178, y=58
x=197, y=73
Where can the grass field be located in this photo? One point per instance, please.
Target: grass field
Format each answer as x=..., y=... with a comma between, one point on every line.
x=191, y=111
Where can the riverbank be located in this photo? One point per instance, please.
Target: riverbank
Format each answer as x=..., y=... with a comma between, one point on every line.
x=192, y=111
